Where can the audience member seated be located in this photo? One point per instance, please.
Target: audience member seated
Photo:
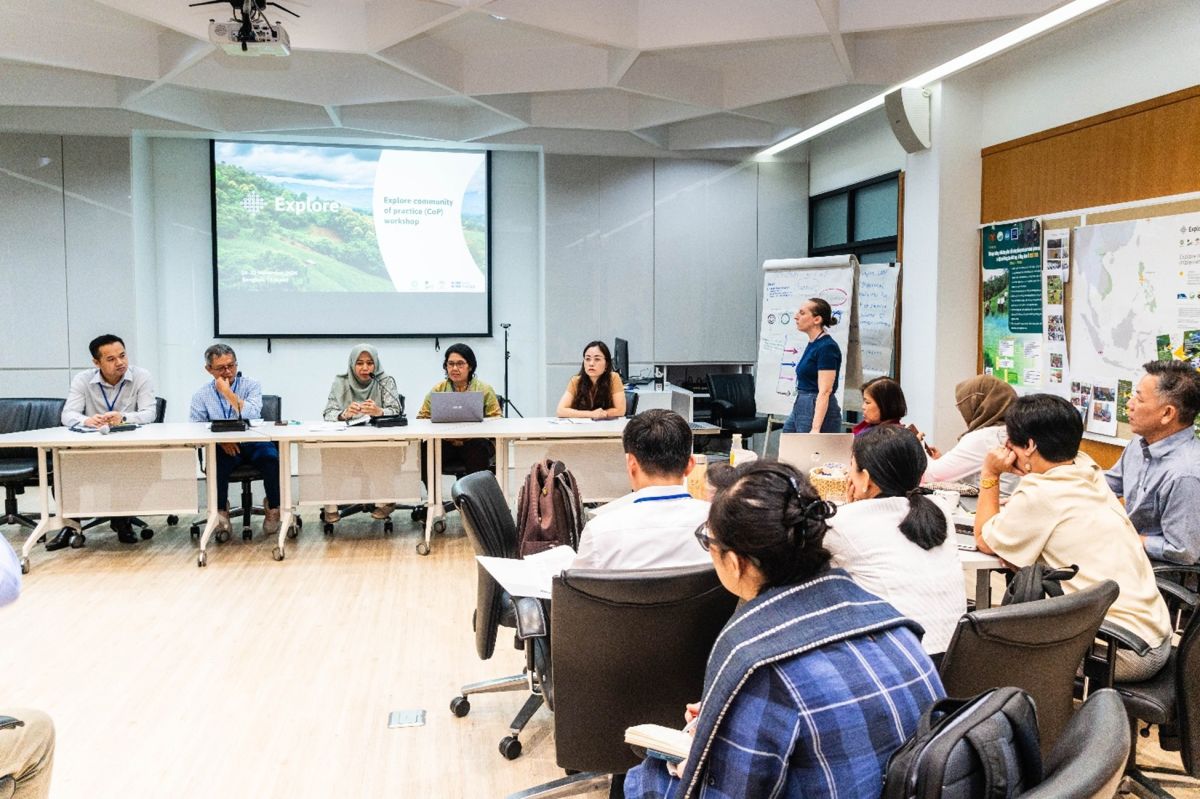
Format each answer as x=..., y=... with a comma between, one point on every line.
x=894, y=539
x=1159, y=473
x=983, y=401
x=364, y=390
x=26, y=752
x=113, y=392
x=1064, y=514
x=597, y=391
x=475, y=454
x=231, y=395
x=814, y=682
x=652, y=527
x=882, y=403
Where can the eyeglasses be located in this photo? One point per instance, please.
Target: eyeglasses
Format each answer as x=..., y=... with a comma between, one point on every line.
x=457, y=364
x=228, y=367
x=706, y=540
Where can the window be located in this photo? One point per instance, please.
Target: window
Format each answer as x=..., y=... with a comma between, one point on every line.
x=862, y=219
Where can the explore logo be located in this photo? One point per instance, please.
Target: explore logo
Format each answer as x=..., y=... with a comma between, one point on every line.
x=253, y=203
x=304, y=206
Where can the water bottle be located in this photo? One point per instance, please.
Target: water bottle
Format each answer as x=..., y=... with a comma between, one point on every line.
x=735, y=444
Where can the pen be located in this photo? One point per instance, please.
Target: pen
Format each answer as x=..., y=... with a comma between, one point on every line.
x=691, y=725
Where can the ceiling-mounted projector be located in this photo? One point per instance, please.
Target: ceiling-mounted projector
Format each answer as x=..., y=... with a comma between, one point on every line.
x=263, y=39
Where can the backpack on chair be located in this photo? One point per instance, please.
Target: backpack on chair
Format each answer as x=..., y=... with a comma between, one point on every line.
x=987, y=746
x=549, y=510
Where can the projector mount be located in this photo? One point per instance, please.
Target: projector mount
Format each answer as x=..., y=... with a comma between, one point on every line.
x=246, y=13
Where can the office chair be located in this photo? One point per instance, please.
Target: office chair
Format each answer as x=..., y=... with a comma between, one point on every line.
x=1170, y=699
x=452, y=464
x=493, y=532
x=18, y=465
x=631, y=401
x=627, y=647
x=1089, y=758
x=1035, y=646
x=160, y=413
x=733, y=408
x=272, y=411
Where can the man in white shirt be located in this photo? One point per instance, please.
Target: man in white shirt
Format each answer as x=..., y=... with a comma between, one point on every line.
x=113, y=392
x=654, y=527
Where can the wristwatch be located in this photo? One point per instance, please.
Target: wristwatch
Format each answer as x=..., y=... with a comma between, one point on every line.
x=989, y=482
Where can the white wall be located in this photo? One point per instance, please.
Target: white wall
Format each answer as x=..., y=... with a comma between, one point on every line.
x=1132, y=51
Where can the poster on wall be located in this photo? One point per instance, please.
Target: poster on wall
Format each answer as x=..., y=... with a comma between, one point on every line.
x=1014, y=319
x=1055, y=265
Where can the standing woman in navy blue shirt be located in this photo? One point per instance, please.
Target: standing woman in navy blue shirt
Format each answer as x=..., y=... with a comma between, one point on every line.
x=816, y=409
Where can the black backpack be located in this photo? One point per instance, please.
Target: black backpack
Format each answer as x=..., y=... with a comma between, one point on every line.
x=986, y=747
x=1035, y=582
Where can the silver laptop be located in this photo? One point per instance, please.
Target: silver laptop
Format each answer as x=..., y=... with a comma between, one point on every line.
x=456, y=406
x=806, y=450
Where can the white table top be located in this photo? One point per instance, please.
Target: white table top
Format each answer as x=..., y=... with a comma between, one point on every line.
x=150, y=435
x=512, y=428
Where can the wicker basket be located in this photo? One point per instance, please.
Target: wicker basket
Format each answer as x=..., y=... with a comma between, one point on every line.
x=828, y=488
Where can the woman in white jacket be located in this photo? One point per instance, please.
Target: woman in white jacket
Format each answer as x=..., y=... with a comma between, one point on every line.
x=895, y=540
x=983, y=402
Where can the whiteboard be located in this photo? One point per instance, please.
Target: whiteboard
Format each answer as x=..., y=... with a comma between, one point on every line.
x=786, y=284
x=876, y=296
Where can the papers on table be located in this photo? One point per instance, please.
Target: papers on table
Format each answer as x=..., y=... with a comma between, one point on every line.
x=531, y=576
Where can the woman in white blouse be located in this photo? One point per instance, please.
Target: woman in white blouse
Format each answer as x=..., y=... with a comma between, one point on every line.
x=894, y=539
x=983, y=402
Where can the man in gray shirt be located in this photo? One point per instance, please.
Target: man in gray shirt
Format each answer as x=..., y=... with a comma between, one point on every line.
x=1159, y=473
x=110, y=393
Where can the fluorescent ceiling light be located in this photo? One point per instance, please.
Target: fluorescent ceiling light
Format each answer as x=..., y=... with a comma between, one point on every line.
x=1046, y=22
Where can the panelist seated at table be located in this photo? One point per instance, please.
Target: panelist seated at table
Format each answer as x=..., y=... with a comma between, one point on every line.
x=231, y=395
x=110, y=393
x=468, y=455
x=652, y=528
x=1064, y=514
x=983, y=402
x=597, y=391
x=365, y=390
x=1159, y=472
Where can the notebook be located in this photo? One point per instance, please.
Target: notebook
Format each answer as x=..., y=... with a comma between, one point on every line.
x=806, y=450
x=456, y=406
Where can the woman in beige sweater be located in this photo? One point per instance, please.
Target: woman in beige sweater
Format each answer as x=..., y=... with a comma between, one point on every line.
x=1064, y=513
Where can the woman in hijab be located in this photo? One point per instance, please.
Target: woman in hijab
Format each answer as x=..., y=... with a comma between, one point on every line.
x=983, y=402
x=364, y=390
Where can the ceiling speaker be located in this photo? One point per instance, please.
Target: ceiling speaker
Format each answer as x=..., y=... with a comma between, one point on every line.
x=907, y=112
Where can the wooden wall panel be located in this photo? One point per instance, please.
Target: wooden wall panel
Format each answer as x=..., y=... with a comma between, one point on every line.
x=1150, y=149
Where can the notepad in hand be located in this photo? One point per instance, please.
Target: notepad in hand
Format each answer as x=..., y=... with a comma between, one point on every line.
x=666, y=743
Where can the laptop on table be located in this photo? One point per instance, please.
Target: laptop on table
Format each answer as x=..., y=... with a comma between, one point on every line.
x=456, y=406
x=806, y=450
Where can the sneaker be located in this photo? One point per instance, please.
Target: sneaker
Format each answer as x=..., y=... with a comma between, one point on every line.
x=223, y=522
x=271, y=521
x=383, y=511
x=330, y=514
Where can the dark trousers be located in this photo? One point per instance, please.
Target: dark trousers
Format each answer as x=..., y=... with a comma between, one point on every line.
x=263, y=455
x=466, y=457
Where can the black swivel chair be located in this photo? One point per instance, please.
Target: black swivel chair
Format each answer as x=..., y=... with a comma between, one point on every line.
x=491, y=530
x=272, y=411
x=631, y=401
x=1035, y=646
x=78, y=540
x=733, y=408
x=627, y=647
x=18, y=466
x=1089, y=758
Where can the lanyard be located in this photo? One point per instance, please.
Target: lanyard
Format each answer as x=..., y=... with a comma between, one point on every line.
x=117, y=396
x=662, y=498
x=225, y=406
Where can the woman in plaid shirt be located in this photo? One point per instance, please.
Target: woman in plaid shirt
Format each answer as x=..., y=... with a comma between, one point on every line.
x=814, y=682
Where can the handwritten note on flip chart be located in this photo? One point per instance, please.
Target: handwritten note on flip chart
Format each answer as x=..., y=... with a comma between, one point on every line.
x=877, y=284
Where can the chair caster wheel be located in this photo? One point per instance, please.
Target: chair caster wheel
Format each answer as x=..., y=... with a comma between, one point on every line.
x=439, y=526
x=299, y=521
x=460, y=706
x=247, y=533
x=510, y=747
x=277, y=553
x=422, y=548
x=147, y=534
x=78, y=540
x=202, y=560
x=294, y=530
x=24, y=565
x=195, y=531
x=387, y=526
x=172, y=520
x=223, y=536
x=328, y=528
x=418, y=514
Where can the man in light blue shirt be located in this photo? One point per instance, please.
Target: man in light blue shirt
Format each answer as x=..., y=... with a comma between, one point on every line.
x=230, y=395
x=1159, y=473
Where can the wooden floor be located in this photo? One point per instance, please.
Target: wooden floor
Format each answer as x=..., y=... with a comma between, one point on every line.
x=252, y=678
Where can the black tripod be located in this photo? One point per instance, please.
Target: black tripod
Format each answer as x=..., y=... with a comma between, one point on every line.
x=505, y=402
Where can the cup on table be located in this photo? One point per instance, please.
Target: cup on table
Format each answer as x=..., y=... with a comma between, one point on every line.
x=950, y=497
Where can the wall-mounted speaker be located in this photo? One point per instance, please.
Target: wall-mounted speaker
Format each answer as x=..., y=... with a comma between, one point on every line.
x=907, y=112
